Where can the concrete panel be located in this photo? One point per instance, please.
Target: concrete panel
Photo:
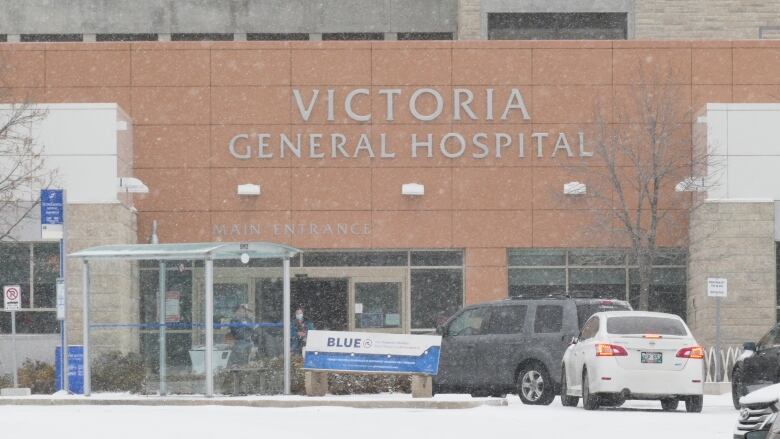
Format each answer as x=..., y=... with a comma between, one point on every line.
x=754, y=177
x=227, y=16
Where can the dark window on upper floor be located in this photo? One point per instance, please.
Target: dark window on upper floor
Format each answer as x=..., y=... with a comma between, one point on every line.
x=424, y=36
x=276, y=37
x=125, y=37
x=558, y=26
x=3, y=38
x=353, y=36
x=51, y=38
x=201, y=37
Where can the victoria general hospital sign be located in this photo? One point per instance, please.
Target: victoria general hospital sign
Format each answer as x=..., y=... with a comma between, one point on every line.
x=424, y=105
x=453, y=145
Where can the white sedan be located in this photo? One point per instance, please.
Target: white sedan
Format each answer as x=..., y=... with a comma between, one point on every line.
x=623, y=355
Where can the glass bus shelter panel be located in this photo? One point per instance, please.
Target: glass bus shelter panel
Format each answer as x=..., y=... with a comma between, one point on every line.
x=248, y=330
x=181, y=325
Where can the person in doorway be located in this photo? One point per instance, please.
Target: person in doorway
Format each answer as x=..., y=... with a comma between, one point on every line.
x=299, y=332
x=242, y=330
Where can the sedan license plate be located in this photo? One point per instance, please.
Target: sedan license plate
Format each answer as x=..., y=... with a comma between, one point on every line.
x=652, y=357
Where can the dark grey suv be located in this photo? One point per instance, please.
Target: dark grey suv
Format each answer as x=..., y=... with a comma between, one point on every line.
x=513, y=345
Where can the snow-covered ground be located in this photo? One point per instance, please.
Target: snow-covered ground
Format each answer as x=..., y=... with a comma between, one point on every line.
x=637, y=420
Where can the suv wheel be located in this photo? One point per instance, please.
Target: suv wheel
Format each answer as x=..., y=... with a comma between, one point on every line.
x=738, y=388
x=535, y=386
x=693, y=404
x=590, y=401
x=670, y=404
x=566, y=400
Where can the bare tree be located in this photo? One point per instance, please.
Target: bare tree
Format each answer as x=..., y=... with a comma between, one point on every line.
x=644, y=168
x=22, y=166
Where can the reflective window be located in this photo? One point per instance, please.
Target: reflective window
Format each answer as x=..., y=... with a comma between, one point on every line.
x=436, y=295
x=355, y=259
x=50, y=38
x=424, y=36
x=597, y=257
x=668, y=290
x=125, y=37
x=558, y=26
x=353, y=36
x=601, y=282
x=437, y=258
x=536, y=257
x=35, y=268
x=536, y=282
x=201, y=37
x=601, y=273
x=548, y=319
x=277, y=37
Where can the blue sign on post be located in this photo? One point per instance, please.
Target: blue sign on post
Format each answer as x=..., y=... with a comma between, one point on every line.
x=75, y=368
x=51, y=214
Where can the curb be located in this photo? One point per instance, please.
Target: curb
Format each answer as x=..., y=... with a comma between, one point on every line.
x=261, y=403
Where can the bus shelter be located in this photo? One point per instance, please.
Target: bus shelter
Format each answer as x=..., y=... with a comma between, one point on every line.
x=207, y=253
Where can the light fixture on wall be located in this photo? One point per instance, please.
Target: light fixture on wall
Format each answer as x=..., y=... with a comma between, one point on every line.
x=132, y=185
x=690, y=184
x=248, y=190
x=575, y=188
x=413, y=189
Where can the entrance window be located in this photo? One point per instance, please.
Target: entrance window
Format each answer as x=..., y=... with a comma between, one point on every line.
x=558, y=26
x=377, y=304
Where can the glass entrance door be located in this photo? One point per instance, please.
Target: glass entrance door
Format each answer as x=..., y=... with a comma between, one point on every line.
x=378, y=305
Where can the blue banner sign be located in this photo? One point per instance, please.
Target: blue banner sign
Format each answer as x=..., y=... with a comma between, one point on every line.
x=52, y=216
x=375, y=352
x=75, y=368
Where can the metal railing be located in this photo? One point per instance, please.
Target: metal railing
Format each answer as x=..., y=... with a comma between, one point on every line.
x=727, y=357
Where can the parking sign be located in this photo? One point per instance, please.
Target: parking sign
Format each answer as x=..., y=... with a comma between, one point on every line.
x=12, y=297
x=717, y=287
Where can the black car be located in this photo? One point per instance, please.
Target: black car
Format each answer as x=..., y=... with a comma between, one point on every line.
x=513, y=345
x=758, y=415
x=758, y=366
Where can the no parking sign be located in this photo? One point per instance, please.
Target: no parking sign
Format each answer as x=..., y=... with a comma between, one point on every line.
x=12, y=297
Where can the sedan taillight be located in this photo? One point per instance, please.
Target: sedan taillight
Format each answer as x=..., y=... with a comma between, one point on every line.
x=610, y=350
x=695, y=352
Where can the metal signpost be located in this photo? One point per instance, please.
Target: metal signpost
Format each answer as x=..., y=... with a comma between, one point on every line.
x=53, y=229
x=717, y=287
x=12, y=301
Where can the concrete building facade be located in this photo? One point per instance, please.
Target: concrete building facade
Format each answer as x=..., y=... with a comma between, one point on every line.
x=96, y=20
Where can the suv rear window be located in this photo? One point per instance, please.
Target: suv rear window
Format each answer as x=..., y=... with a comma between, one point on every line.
x=645, y=325
x=586, y=310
